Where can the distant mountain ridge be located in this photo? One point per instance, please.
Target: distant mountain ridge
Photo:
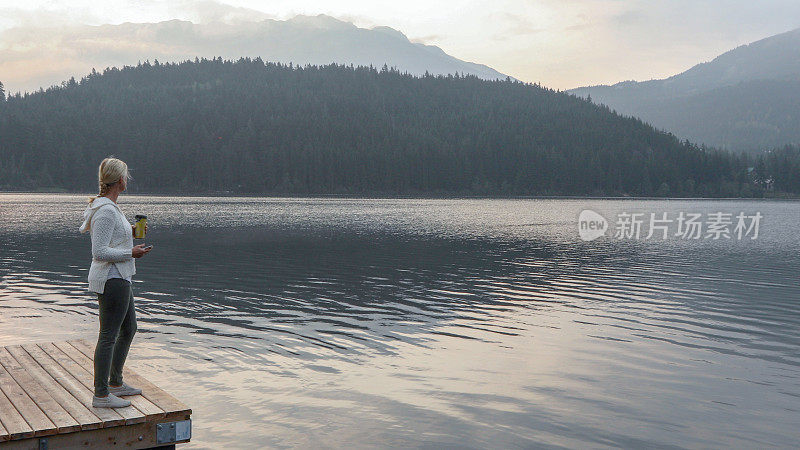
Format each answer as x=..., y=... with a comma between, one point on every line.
x=745, y=99
x=316, y=40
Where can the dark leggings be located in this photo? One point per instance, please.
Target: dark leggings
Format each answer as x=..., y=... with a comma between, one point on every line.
x=117, y=327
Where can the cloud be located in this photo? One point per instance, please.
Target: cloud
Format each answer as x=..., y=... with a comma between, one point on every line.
x=209, y=11
x=561, y=43
x=606, y=41
x=11, y=17
x=428, y=39
x=514, y=26
x=517, y=25
x=34, y=57
x=43, y=46
x=628, y=18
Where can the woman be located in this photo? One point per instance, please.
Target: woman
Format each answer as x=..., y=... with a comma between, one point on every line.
x=110, y=277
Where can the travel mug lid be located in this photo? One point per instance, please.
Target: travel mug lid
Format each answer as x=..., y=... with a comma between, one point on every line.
x=140, y=216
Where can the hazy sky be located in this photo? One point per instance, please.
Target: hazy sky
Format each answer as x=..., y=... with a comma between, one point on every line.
x=560, y=43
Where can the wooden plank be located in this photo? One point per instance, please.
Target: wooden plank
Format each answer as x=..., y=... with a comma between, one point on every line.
x=63, y=422
x=129, y=413
x=144, y=405
x=15, y=425
x=138, y=436
x=76, y=409
x=46, y=390
x=28, y=409
x=109, y=416
x=165, y=401
x=3, y=433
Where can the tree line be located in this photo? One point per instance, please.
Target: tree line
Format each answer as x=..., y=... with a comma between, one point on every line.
x=256, y=127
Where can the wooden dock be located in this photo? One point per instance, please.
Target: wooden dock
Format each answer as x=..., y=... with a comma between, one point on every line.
x=46, y=394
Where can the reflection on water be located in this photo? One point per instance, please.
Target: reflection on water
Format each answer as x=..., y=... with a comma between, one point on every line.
x=425, y=323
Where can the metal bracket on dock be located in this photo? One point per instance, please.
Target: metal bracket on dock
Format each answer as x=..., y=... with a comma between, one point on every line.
x=169, y=432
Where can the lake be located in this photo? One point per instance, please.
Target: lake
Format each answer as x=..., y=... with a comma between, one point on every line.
x=301, y=322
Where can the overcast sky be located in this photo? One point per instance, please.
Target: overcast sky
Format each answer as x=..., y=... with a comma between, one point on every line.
x=559, y=43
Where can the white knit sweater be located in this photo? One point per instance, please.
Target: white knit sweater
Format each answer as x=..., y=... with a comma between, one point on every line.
x=112, y=241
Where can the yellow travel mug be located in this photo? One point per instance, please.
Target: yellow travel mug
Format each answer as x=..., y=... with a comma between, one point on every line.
x=141, y=221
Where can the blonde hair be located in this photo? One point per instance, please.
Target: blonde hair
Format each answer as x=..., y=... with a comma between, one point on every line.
x=109, y=173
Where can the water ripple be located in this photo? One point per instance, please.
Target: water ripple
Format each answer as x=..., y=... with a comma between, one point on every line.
x=429, y=323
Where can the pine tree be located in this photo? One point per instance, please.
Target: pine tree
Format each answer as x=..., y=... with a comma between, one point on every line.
x=248, y=126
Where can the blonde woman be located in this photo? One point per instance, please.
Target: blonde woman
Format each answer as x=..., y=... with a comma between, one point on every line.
x=110, y=275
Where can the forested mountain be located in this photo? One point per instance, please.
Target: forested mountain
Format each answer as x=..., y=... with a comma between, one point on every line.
x=256, y=127
x=745, y=99
x=300, y=40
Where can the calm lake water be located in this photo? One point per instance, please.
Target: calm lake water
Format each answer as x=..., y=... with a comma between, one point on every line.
x=434, y=323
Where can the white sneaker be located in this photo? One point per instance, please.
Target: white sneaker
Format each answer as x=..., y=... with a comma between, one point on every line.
x=125, y=389
x=111, y=401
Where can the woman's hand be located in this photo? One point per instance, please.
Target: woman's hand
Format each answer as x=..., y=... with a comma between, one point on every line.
x=139, y=250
